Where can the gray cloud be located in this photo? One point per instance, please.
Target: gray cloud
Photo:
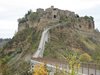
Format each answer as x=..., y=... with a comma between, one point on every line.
x=7, y=33
x=11, y=10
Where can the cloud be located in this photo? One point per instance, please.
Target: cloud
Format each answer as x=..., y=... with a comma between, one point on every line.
x=6, y=33
x=7, y=28
x=70, y=4
x=8, y=25
x=11, y=10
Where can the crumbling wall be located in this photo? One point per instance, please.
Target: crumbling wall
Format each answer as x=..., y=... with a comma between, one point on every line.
x=52, y=14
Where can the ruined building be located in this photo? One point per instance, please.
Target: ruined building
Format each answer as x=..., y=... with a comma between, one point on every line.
x=42, y=18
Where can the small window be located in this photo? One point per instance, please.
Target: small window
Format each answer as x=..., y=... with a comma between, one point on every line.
x=89, y=26
x=54, y=16
x=32, y=66
x=54, y=9
x=80, y=26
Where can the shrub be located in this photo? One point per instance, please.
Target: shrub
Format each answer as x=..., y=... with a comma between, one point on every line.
x=85, y=57
x=34, y=16
x=86, y=17
x=73, y=61
x=28, y=13
x=22, y=20
x=91, y=18
x=40, y=69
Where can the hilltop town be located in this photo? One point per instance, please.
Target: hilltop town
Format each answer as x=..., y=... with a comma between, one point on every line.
x=42, y=18
x=73, y=33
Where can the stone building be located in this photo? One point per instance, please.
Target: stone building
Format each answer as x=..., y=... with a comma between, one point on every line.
x=49, y=15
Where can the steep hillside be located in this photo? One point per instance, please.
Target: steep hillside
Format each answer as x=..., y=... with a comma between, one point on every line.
x=65, y=38
x=17, y=53
x=78, y=35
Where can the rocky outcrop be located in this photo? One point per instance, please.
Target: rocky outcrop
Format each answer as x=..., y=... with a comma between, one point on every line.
x=41, y=18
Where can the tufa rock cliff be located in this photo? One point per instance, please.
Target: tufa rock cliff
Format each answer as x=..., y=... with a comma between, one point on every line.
x=42, y=18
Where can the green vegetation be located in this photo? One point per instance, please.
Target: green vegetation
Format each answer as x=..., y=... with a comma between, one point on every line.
x=23, y=45
x=5, y=59
x=27, y=36
x=31, y=16
x=67, y=19
x=85, y=58
x=66, y=42
x=34, y=16
x=88, y=17
x=63, y=19
x=96, y=56
x=23, y=70
x=3, y=42
x=59, y=72
x=25, y=18
x=0, y=49
x=73, y=61
x=22, y=20
x=40, y=69
x=63, y=40
x=58, y=44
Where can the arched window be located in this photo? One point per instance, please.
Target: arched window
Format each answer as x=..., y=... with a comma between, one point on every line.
x=54, y=9
x=54, y=16
x=89, y=27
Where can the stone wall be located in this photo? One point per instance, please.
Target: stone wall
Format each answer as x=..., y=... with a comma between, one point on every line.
x=54, y=15
x=22, y=26
x=85, y=25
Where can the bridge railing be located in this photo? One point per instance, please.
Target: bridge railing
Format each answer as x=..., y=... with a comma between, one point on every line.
x=84, y=69
x=90, y=68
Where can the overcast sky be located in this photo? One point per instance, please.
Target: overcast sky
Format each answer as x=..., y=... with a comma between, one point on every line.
x=11, y=10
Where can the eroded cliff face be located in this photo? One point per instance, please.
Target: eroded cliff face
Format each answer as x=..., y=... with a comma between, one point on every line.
x=43, y=18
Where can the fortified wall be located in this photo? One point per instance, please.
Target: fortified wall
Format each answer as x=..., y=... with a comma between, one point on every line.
x=42, y=18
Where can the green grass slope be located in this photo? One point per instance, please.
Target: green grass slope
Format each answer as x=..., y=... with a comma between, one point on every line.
x=15, y=56
x=63, y=39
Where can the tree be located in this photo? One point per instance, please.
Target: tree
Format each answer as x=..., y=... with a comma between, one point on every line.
x=73, y=61
x=91, y=18
x=40, y=69
x=34, y=16
x=28, y=13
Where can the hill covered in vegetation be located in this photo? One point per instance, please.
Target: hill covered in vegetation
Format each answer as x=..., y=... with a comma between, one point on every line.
x=77, y=35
